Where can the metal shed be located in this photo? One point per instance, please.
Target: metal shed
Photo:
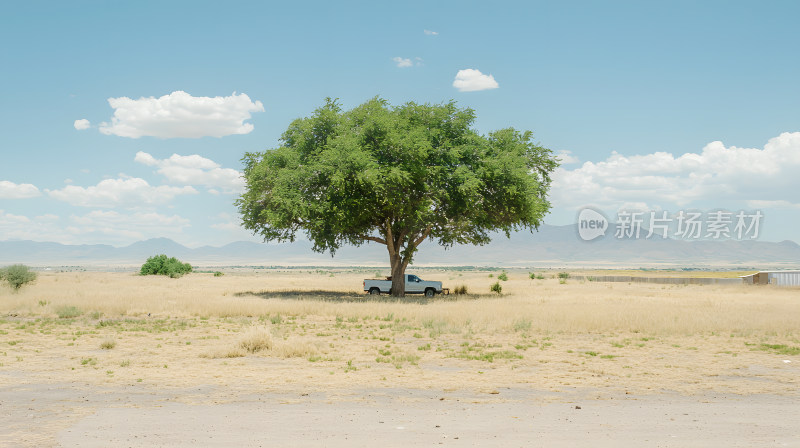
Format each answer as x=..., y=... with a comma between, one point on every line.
x=780, y=278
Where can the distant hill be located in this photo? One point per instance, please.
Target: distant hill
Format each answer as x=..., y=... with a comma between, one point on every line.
x=551, y=246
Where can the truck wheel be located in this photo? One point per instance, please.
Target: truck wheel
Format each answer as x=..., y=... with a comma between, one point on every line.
x=375, y=292
x=430, y=292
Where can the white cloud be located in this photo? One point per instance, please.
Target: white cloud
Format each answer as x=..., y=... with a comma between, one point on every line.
x=227, y=223
x=106, y=227
x=228, y=228
x=471, y=80
x=123, y=192
x=717, y=173
x=403, y=62
x=82, y=124
x=181, y=115
x=195, y=170
x=10, y=190
x=566, y=157
x=7, y=219
x=133, y=226
x=430, y=33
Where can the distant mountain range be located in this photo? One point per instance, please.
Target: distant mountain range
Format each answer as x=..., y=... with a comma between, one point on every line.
x=551, y=246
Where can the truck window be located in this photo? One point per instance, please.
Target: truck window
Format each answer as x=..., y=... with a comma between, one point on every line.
x=412, y=278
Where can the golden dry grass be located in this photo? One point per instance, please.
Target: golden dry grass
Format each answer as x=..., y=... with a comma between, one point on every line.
x=549, y=306
x=306, y=329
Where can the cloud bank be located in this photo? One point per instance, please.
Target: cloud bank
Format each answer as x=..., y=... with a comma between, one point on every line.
x=106, y=227
x=758, y=177
x=123, y=192
x=180, y=115
x=195, y=170
x=10, y=190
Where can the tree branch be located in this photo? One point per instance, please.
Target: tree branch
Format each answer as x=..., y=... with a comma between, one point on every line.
x=422, y=237
x=372, y=238
x=389, y=239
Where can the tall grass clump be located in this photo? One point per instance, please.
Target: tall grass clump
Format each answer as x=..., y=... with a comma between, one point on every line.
x=163, y=265
x=17, y=275
x=460, y=290
x=256, y=339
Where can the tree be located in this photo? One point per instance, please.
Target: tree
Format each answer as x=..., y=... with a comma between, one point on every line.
x=395, y=176
x=17, y=275
x=163, y=265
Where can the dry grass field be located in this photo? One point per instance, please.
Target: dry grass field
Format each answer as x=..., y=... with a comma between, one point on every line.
x=309, y=331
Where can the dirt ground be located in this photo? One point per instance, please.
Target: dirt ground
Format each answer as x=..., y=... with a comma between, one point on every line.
x=304, y=359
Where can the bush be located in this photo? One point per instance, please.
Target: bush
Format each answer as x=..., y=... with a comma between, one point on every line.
x=256, y=339
x=563, y=275
x=161, y=265
x=496, y=287
x=17, y=275
x=460, y=290
x=218, y=274
x=503, y=276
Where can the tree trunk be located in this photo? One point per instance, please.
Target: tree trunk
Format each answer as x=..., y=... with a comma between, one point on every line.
x=398, y=276
x=399, y=262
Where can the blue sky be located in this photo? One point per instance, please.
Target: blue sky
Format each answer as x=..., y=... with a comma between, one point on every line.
x=652, y=105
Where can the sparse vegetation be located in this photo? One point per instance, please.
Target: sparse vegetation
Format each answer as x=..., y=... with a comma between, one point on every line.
x=460, y=290
x=17, y=276
x=132, y=325
x=496, y=287
x=163, y=265
x=68, y=312
x=781, y=349
x=503, y=276
x=256, y=339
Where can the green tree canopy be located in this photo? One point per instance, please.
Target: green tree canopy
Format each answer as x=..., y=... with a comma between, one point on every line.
x=17, y=275
x=163, y=265
x=395, y=176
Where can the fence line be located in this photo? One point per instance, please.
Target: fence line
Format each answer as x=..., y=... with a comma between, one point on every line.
x=661, y=280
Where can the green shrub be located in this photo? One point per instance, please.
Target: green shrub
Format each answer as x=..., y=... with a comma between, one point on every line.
x=218, y=274
x=532, y=275
x=496, y=287
x=17, y=275
x=563, y=275
x=162, y=265
x=503, y=276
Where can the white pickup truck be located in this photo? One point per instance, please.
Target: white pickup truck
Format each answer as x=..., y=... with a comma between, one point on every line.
x=414, y=285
